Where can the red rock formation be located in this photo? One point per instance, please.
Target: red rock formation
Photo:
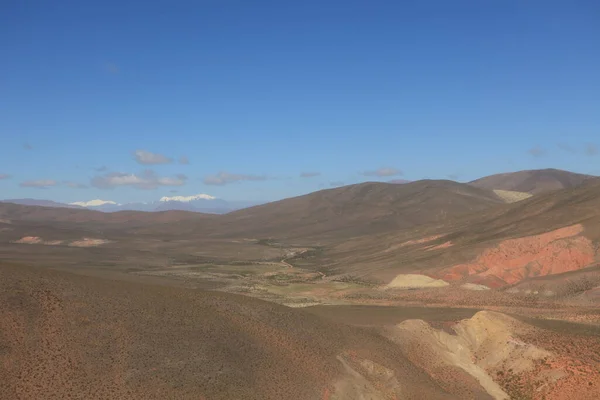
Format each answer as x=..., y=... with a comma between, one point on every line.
x=514, y=260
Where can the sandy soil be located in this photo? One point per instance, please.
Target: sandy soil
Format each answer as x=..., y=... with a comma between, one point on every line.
x=85, y=242
x=88, y=242
x=414, y=281
x=511, y=196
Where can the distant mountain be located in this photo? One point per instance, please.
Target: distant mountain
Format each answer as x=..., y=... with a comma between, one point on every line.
x=42, y=203
x=94, y=203
x=203, y=203
x=198, y=203
x=399, y=181
x=532, y=181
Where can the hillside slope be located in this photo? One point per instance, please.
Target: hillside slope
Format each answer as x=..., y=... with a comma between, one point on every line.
x=547, y=234
x=532, y=181
x=73, y=336
x=355, y=210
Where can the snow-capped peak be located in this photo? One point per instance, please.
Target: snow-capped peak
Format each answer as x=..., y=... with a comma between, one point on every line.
x=187, y=199
x=93, y=203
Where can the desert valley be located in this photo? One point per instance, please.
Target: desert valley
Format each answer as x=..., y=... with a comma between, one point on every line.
x=431, y=289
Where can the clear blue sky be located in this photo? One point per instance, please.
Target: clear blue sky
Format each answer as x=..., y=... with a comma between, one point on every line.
x=254, y=93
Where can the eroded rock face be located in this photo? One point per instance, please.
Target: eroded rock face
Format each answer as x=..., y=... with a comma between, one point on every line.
x=480, y=347
x=513, y=260
x=364, y=379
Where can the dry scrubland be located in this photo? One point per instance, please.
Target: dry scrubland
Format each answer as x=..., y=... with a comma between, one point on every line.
x=430, y=289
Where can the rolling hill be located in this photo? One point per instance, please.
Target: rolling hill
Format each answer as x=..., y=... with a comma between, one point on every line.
x=354, y=210
x=70, y=336
x=131, y=319
x=201, y=203
x=45, y=214
x=444, y=229
x=532, y=181
x=547, y=234
x=41, y=203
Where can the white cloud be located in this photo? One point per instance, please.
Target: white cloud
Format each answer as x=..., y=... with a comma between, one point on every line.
x=385, y=171
x=147, y=158
x=187, y=199
x=146, y=180
x=93, y=203
x=309, y=174
x=40, y=184
x=4, y=176
x=224, y=178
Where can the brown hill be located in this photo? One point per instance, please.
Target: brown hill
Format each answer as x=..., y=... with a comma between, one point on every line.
x=354, y=210
x=366, y=207
x=42, y=203
x=325, y=217
x=547, y=234
x=71, y=336
x=532, y=181
x=21, y=212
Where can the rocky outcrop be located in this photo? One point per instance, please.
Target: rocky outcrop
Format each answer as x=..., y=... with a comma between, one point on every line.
x=514, y=260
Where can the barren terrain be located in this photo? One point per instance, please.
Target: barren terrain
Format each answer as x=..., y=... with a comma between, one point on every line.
x=423, y=290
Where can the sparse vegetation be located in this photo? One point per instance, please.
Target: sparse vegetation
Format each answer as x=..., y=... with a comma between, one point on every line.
x=574, y=286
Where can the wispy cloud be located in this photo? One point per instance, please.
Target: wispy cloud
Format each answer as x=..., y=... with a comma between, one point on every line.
x=146, y=180
x=4, y=176
x=309, y=174
x=591, y=149
x=384, y=171
x=225, y=178
x=39, y=184
x=101, y=168
x=537, y=151
x=184, y=160
x=27, y=146
x=75, y=185
x=147, y=158
x=567, y=148
x=111, y=68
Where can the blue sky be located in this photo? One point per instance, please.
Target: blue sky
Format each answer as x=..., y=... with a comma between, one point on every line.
x=255, y=93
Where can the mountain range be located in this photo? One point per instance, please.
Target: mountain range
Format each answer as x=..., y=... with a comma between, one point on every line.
x=203, y=203
x=511, y=186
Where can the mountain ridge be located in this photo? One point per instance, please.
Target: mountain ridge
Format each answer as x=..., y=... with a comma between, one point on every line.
x=532, y=181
